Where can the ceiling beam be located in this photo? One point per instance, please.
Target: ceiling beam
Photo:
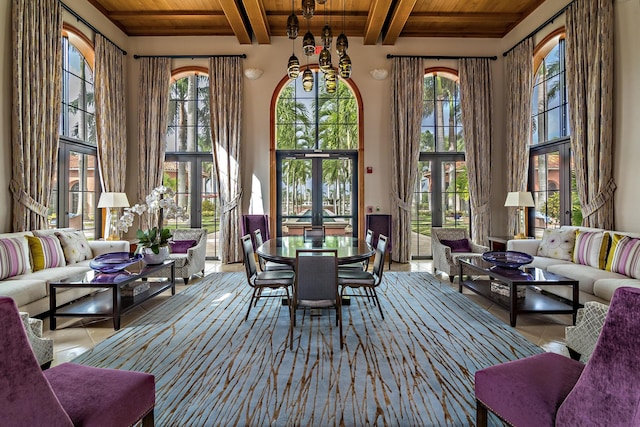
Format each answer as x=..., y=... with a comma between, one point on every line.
x=398, y=19
x=258, y=20
x=375, y=20
x=234, y=16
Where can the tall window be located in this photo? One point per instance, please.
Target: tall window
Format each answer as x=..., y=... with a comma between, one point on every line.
x=317, y=137
x=188, y=166
x=551, y=173
x=441, y=197
x=75, y=194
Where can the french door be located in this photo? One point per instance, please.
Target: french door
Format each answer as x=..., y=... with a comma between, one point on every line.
x=441, y=199
x=317, y=188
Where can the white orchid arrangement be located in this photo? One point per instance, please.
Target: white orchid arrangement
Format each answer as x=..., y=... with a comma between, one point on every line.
x=160, y=205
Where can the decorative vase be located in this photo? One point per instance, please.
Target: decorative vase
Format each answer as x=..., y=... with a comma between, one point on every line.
x=152, y=258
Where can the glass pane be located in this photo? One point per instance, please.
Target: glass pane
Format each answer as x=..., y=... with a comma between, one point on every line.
x=82, y=195
x=189, y=112
x=546, y=193
x=296, y=196
x=441, y=116
x=210, y=209
x=337, y=196
x=455, y=194
x=421, y=217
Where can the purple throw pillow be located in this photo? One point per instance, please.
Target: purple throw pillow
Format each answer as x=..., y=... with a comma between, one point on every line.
x=181, y=246
x=461, y=245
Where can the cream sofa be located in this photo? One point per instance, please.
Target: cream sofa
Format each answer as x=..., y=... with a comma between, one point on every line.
x=30, y=291
x=596, y=284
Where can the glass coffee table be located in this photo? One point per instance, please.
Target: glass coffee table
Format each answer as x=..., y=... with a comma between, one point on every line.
x=480, y=276
x=115, y=293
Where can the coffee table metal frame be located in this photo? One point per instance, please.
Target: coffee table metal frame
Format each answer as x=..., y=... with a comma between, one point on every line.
x=105, y=304
x=534, y=301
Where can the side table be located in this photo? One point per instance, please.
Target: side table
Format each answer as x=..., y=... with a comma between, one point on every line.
x=498, y=243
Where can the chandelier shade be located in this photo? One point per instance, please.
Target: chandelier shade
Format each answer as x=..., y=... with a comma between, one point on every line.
x=330, y=82
x=307, y=80
x=309, y=44
x=342, y=44
x=308, y=8
x=324, y=60
x=293, y=67
x=327, y=36
x=345, y=66
x=293, y=26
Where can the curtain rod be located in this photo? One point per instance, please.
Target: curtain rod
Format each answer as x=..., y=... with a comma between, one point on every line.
x=243, y=55
x=493, y=58
x=91, y=27
x=541, y=26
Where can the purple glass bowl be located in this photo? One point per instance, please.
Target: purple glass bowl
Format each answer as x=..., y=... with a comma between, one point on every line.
x=114, y=262
x=508, y=259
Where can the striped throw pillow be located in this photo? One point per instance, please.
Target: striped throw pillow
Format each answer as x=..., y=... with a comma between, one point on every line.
x=14, y=257
x=46, y=252
x=591, y=248
x=624, y=256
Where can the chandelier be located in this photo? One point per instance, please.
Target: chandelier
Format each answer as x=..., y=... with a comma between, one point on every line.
x=309, y=48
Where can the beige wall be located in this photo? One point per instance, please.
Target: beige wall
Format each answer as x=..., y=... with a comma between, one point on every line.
x=272, y=59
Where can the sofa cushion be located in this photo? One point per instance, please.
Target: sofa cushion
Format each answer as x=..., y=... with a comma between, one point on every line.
x=52, y=274
x=604, y=288
x=75, y=246
x=181, y=246
x=24, y=291
x=46, y=252
x=584, y=274
x=544, y=262
x=591, y=248
x=14, y=257
x=557, y=244
x=460, y=245
x=624, y=256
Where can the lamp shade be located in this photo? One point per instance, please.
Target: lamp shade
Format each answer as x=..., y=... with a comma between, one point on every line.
x=113, y=200
x=520, y=199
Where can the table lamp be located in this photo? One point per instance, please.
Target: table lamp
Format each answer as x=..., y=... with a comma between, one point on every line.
x=521, y=200
x=112, y=202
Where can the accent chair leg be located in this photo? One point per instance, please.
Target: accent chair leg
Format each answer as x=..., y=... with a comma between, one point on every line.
x=481, y=414
x=574, y=354
x=148, y=420
x=451, y=277
x=186, y=280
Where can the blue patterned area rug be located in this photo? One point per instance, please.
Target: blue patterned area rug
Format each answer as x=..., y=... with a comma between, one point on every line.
x=414, y=368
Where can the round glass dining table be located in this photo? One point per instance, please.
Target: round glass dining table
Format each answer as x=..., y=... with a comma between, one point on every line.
x=283, y=249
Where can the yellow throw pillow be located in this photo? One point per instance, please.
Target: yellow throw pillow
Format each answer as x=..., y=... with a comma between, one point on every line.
x=46, y=252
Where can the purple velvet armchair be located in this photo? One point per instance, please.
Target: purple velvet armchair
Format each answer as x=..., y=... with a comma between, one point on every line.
x=552, y=390
x=66, y=395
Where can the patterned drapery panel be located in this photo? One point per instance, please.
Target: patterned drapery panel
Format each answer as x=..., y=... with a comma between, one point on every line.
x=407, y=76
x=225, y=80
x=519, y=83
x=476, y=103
x=153, y=118
x=111, y=116
x=37, y=98
x=590, y=91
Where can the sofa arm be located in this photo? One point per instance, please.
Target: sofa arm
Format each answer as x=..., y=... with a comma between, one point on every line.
x=528, y=246
x=100, y=247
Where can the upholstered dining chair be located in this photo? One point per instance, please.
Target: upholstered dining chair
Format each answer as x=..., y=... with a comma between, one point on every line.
x=264, y=264
x=368, y=281
x=69, y=394
x=316, y=284
x=315, y=232
x=552, y=390
x=362, y=265
x=260, y=280
x=449, y=244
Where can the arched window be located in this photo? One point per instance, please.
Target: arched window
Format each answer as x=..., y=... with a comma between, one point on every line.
x=317, y=141
x=188, y=166
x=75, y=192
x=551, y=174
x=441, y=198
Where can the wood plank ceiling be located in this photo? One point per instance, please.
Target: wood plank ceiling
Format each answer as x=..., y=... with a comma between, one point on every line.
x=376, y=21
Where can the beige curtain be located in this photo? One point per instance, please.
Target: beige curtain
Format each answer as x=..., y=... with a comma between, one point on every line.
x=153, y=116
x=110, y=115
x=519, y=79
x=407, y=76
x=476, y=104
x=225, y=94
x=590, y=91
x=37, y=97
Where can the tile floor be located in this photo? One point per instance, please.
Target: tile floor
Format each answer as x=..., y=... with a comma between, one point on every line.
x=75, y=336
